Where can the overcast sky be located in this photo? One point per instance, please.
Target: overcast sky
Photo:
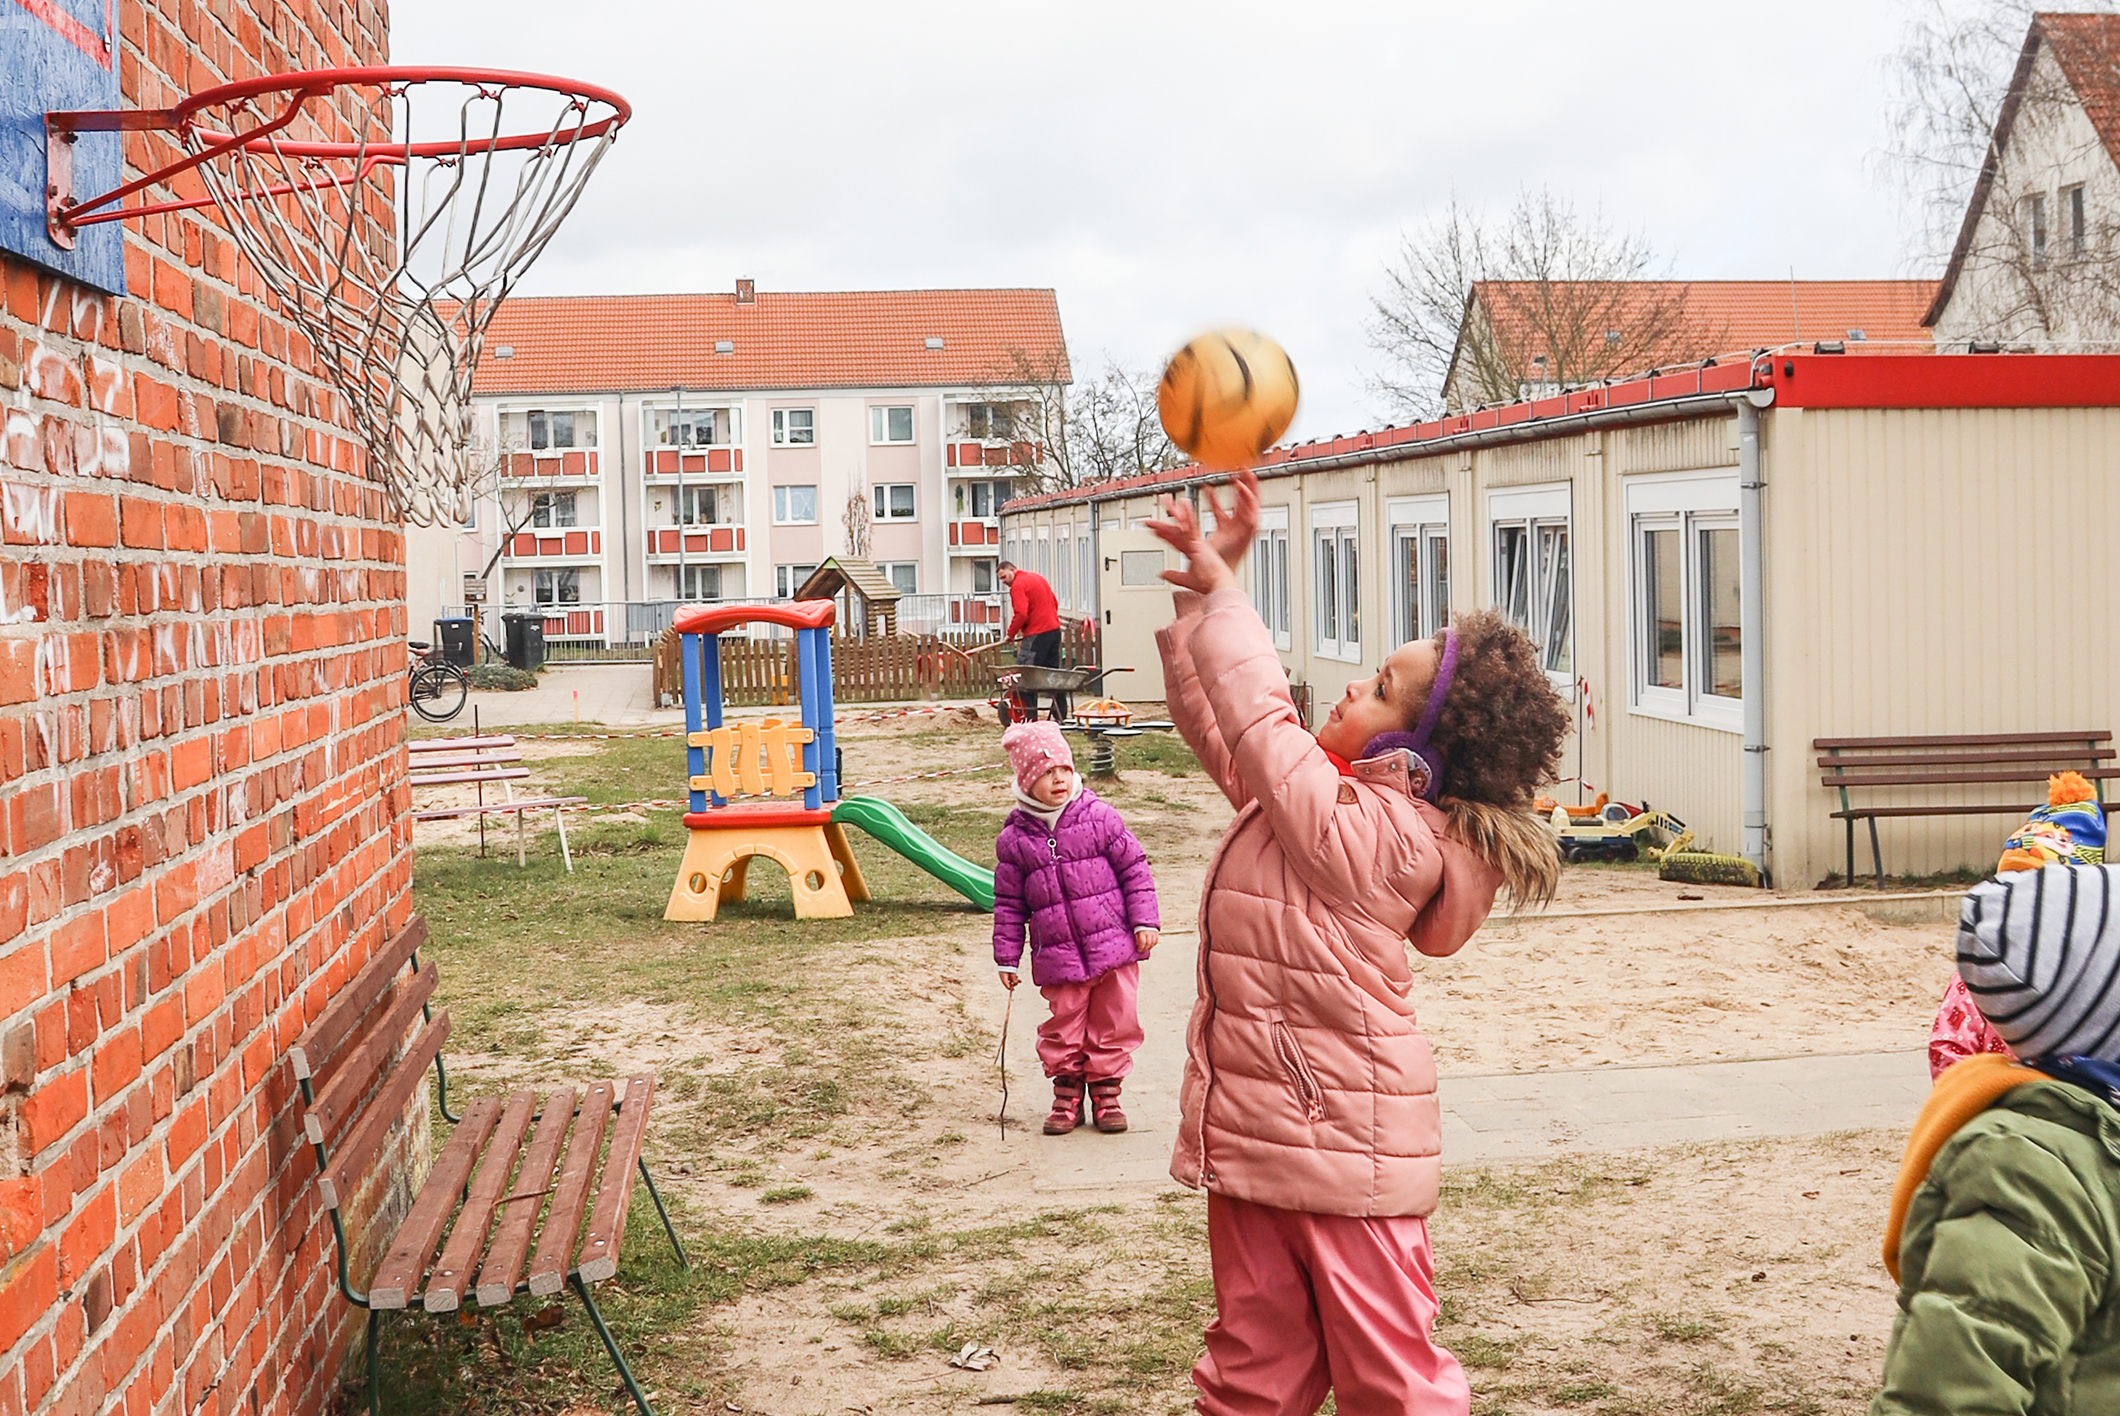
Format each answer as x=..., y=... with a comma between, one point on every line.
x=1167, y=167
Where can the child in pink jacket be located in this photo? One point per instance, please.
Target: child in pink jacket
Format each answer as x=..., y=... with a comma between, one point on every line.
x=1308, y=1108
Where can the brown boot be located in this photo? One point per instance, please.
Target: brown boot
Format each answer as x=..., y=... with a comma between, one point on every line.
x=1066, y=1114
x=1104, y=1105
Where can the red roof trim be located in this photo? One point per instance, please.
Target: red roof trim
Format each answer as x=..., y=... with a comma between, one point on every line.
x=1798, y=381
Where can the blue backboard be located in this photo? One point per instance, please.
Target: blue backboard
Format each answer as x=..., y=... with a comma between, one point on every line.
x=56, y=56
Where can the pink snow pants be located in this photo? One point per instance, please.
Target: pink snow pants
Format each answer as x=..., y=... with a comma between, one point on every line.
x=1093, y=1029
x=1310, y=1302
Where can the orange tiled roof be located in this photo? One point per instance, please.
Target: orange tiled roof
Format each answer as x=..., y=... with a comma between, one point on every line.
x=781, y=340
x=1738, y=316
x=2087, y=47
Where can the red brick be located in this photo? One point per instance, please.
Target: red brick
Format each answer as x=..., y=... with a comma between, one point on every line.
x=77, y=948
x=28, y=1290
x=91, y=519
x=140, y=523
x=54, y=1109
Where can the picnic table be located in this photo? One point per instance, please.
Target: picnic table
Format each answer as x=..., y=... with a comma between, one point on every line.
x=492, y=760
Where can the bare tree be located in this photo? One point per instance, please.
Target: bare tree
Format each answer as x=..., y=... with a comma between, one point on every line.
x=496, y=482
x=1982, y=120
x=1066, y=435
x=1482, y=311
x=856, y=520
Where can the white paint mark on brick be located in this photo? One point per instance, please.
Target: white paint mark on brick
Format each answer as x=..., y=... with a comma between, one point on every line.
x=30, y=513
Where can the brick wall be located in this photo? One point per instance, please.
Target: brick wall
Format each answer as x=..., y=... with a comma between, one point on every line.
x=202, y=792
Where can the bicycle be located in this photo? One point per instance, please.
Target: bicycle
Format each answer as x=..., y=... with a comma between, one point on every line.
x=436, y=688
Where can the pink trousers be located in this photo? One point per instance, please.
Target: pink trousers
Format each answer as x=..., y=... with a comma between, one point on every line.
x=1310, y=1302
x=1093, y=1029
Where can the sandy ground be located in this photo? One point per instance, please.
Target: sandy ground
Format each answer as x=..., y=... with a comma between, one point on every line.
x=1749, y=1265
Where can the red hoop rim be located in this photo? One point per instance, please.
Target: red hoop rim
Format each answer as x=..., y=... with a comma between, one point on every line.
x=312, y=82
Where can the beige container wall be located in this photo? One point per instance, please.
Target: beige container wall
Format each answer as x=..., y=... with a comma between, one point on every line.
x=1932, y=571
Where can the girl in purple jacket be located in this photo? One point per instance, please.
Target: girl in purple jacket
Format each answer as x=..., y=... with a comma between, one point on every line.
x=1069, y=876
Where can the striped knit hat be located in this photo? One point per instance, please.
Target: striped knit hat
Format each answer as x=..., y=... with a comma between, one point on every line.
x=2040, y=952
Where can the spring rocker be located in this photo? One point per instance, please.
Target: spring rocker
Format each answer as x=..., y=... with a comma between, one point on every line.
x=762, y=760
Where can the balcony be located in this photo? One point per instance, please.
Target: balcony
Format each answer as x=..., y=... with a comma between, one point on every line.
x=975, y=536
x=992, y=453
x=660, y=462
x=557, y=465
x=671, y=544
x=554, y=546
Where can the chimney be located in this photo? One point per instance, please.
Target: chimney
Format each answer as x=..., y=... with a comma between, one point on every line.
x=746, y=291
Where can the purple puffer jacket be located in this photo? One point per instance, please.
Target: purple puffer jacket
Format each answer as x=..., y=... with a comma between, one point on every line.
x=1083, y=890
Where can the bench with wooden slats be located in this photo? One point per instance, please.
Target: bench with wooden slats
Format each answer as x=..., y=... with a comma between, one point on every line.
x=484, y=761
x=528, y=1195
x=1980, y=760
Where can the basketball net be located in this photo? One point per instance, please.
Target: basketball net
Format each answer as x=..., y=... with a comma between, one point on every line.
x=394, y=297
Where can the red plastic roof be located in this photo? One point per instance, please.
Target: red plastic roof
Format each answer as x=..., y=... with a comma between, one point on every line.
x=779, y=340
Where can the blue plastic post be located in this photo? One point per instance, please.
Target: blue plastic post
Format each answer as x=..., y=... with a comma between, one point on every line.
x=710, y=689
x=806, y=650
x=827, y=740
x=695, y=757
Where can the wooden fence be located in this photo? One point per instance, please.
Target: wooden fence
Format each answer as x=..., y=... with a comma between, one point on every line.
x=879, y=669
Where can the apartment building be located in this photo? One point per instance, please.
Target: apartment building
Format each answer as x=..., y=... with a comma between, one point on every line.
x=638, y=452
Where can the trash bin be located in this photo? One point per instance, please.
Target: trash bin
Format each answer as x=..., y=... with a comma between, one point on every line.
x=526, y=641
x=458, y=636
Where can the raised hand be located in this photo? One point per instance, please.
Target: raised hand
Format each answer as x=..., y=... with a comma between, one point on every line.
x=1237, y=520
x=1205, y=571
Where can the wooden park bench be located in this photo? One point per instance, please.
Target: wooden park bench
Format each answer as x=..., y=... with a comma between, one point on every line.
x=501, y=1213
x=493, y=760
x=1983, y=760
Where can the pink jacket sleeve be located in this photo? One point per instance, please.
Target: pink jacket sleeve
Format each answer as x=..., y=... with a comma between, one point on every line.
x=1188, y=704
x=1339, y=848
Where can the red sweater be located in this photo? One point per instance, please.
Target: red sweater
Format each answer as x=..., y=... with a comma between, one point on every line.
x=1037, y=610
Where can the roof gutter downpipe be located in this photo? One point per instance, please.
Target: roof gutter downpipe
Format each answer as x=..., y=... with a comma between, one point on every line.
x=1752, y=619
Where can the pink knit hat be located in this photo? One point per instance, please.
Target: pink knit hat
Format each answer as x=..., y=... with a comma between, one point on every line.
x=1035, y=748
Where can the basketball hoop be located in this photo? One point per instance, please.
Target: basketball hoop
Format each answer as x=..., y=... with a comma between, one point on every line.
x=394, y=297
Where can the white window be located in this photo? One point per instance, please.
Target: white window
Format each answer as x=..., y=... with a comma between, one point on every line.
x=559, y=587
x=989, y=420
x=545, y=430
x=1534, y=584
x=699, y=582
x=1687, y=643
x=1420, y=566
x=1335, y=532
x=903, y=574
x=548, y=509
x=715, y=504
x=691, y=427
x=2078, y=219
x=1269, y=575
x=794, y=427
x=1045, y=555
x=2036, y=220
x=891, y=425
x=894, y=501
x=981, y=499
x=1064, y=568
x=795, y=506
x=1086, y=573
x=983, y=578
x=788, y=578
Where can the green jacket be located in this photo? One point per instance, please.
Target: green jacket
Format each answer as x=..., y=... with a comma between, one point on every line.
x=2008, y=1297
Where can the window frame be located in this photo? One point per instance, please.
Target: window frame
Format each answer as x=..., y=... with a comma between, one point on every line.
x=885, y=568
x=561, y=579
x=788, y=577
x=1534, y=512
x=783, y=503
x=883, y=499
x=1336, y=581
x=711, y=570
x=880, y=425
x=537, y=423
x=990, y=569
x=2076, y=210
x=1269, y=576
x=1689, y=504
x=784, y=430
x=1424, y=522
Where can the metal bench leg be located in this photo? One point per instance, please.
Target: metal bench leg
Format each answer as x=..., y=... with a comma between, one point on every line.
x=375, y=1368
x=559, y=819
x=522, y=854
x=683, y=1260
x=1850, y=824
x=625, y=1373
x=1876, y=854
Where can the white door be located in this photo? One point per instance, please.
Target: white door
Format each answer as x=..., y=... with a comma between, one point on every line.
x=1133, y=603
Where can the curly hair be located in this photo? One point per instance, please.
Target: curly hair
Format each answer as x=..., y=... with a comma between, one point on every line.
x=1501, y=729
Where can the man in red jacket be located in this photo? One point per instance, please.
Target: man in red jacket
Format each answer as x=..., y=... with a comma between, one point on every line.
x=1035, y=623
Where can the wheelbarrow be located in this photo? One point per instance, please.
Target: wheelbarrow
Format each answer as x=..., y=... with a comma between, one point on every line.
x=1022, y=683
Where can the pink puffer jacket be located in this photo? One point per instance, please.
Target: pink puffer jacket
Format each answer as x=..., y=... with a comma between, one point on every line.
x=1308, y=1085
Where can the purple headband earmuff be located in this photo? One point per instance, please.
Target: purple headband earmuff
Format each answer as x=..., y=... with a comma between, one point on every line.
x=1428, y=760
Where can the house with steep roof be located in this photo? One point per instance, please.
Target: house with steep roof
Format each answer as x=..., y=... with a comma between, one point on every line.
x=2037, y=259
x=1524, y=339
x=642, y=451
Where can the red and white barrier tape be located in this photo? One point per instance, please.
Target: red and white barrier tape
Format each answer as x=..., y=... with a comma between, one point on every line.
x=681, y=803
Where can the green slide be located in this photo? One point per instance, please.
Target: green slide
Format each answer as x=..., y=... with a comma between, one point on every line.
x=888, y=824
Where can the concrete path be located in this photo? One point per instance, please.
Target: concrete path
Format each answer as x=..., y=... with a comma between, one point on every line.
x=617, y=695
x=1514, y=1118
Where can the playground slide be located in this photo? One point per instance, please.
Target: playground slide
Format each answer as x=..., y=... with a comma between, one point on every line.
x=888, y=824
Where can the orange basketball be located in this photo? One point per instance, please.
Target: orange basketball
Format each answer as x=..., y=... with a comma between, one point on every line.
x=1227, y=397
